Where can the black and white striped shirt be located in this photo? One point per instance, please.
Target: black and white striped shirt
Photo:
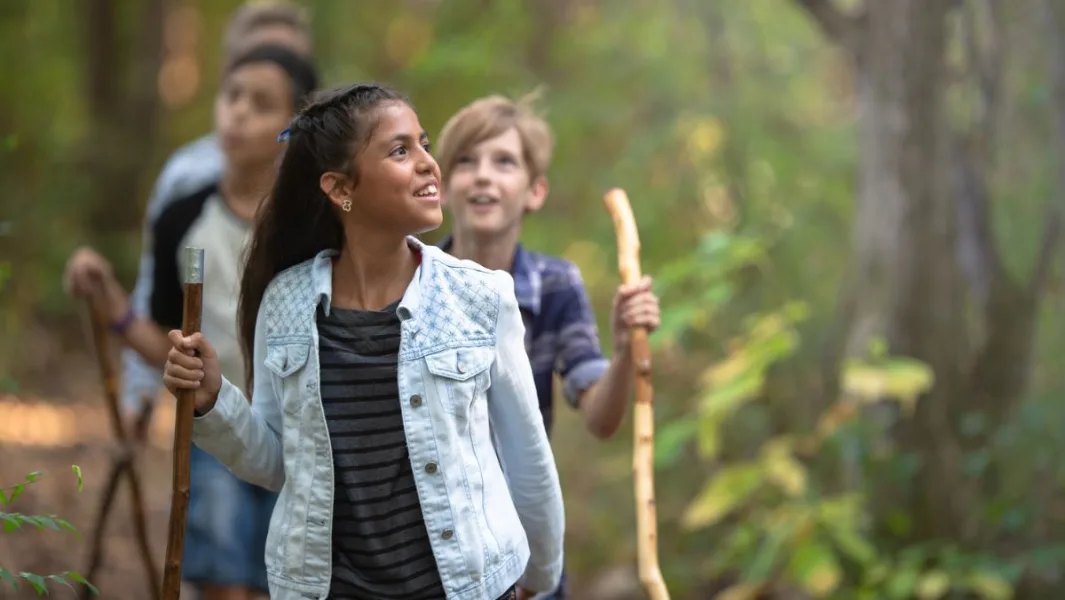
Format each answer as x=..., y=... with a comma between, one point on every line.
x=380, y=544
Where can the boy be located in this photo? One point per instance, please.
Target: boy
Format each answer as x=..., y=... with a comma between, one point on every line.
x=228, y=518
x=198, y=163
x=493, y=156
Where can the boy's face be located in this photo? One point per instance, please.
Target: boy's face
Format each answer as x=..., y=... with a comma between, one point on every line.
x=489, y=191
x=253, y=105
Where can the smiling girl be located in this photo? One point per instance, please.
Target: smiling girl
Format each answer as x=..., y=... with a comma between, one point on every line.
x=393, y=403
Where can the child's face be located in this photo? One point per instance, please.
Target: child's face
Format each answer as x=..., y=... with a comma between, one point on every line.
x=489, y=189
x=253, y=105
x=398, y=188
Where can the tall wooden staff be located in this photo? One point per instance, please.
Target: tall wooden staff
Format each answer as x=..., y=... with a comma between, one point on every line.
x=123, y=464
x=617, y=204
x=191, y=317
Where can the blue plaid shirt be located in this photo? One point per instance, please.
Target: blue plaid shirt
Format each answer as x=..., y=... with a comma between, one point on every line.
x=560, y=331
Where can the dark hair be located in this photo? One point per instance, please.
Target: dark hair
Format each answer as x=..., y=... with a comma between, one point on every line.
x=297, y=220
x=301, y=72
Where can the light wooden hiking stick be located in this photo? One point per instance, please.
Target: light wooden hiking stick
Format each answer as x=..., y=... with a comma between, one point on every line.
x=123, y=463
x=617, y=204
x=192, y=315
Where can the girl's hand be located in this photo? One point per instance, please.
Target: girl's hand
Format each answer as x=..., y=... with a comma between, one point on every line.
x=185, y=370
x=85, y=273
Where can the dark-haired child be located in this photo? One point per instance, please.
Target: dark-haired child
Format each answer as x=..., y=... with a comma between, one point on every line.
x=228, y=518
x=393, y=404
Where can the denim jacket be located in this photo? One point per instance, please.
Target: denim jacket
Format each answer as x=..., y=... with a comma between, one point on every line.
x=493, y=511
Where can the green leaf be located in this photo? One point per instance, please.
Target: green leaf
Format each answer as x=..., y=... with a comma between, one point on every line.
x=3, y=498
x=61, y=580
x=77, y=473
x=989, y=586
x=6, y=575
x=11, y=521
x=933, y=585
x=36, y=581
x=64, y=524
x=34, y=476
x=902, y=582
x=671, y=439
x=721, y=494
x=815, y=568
x=75, y=576
x=16, y=491
x=765, y=559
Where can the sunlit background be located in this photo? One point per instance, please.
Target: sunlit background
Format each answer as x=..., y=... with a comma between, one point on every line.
x=734, y=127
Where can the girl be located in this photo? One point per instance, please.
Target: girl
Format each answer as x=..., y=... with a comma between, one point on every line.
x=228, y=518
x=391, y=389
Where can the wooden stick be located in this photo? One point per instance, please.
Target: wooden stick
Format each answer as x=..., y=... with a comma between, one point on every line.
x=628, y=241
x=123, y=464
x=192, y=315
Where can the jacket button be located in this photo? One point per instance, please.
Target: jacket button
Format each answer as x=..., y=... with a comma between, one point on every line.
x=415, y=400
x=462, y=367
x=430, y=468
x=447, y=534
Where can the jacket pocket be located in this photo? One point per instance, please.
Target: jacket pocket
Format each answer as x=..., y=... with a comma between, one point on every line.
x=462, y=376
x=284, y=359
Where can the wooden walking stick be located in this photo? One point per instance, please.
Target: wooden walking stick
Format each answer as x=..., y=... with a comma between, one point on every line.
x=122, y=465
x=192, y=314
x=628, y=240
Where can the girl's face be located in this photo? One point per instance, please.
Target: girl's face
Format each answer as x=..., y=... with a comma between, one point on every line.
x=253, y=105
x=398, y=186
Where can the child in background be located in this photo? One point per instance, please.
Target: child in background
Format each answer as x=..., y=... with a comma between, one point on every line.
x=385, y=375
x=494, y=155
x=228, y=518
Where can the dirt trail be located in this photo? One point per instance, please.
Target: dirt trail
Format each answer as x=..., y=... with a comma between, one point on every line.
x=52, y=433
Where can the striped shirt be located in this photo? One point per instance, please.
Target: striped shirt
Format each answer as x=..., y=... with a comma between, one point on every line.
x=380, y=544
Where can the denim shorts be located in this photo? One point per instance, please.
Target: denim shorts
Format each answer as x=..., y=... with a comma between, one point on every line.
x=225, y=535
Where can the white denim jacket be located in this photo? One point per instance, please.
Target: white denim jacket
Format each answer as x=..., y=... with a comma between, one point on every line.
x=494, y=510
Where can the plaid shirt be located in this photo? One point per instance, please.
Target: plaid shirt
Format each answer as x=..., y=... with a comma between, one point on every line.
x=560, y=331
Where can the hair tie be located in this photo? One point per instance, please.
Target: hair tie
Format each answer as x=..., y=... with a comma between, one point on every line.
x=284, y=135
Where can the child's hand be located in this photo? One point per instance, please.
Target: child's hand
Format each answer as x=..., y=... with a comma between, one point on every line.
x=634, y=306
x=185, y=370
x=85, y=273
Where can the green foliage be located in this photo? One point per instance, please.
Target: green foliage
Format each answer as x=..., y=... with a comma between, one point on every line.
x=776, y=524
x=14, y=521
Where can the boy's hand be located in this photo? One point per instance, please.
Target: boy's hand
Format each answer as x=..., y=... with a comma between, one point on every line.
x=634, y=306
x=185, y=370
x=85, y=273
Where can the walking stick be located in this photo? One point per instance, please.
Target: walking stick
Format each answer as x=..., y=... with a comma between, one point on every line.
x=192, y=314
x=123, y=464
x=628, y=240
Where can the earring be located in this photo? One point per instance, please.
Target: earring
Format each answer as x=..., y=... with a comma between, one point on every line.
x=346, y=206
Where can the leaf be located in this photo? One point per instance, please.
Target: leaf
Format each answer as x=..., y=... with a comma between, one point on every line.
x=3, y=498
x=75, y=576
x=77, y=473
x=16, y=491
x=933, y=585
x=36, y=581
x=764, y=562
x=721, y=494
x=989, y=586
x=6, y=575
x=671, y=440
x=815, y=568
x=61, y=580
x=901, y=582
x=34, y=476
x=782, y=468
x=64, y=524
x=839, y=518
x=11, y=521
x=900, y=378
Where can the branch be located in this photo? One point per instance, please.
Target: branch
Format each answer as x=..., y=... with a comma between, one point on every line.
x=837, y=26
